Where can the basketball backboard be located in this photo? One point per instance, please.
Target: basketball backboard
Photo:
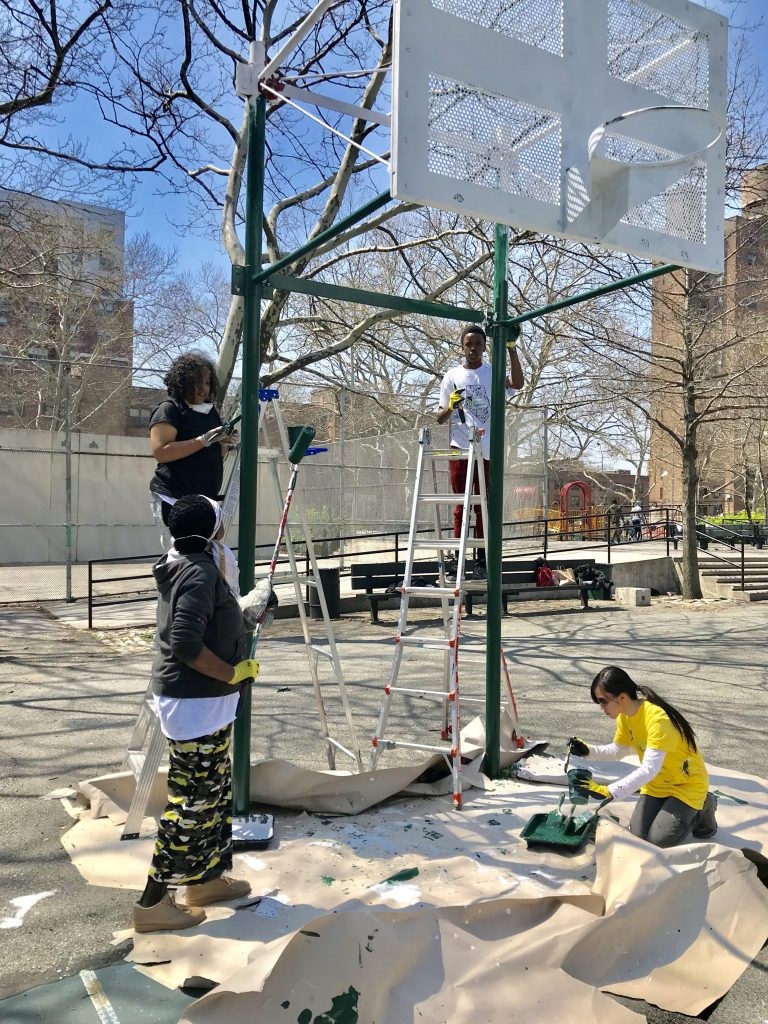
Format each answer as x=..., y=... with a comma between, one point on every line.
x=599, y=121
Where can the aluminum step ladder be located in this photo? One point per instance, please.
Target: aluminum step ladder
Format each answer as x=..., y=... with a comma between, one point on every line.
x=450, y=594
x=147, y=744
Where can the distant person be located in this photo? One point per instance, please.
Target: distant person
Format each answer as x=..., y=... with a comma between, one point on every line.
x=467, y=387
x=675, y=801
x=187, y=437
x=636, y=522
x=614, y=521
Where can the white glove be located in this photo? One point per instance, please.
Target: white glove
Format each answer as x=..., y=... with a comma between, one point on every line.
x=254, y=604
x=212, y=436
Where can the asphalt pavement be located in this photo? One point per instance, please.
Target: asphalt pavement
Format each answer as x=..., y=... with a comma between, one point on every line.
x=69, y=699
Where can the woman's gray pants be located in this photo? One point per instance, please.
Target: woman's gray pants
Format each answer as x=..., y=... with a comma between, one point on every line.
x=667, y=821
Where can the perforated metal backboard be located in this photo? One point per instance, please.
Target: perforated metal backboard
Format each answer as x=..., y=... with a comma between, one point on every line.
x=515, y=111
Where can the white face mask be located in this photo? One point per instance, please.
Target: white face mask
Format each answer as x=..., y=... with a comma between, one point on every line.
x=203, y=407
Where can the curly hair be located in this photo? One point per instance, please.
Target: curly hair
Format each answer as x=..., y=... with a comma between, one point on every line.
x=193, y=514
x=184, y=373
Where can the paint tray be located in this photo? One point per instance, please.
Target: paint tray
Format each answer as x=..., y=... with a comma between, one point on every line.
x=557, y=832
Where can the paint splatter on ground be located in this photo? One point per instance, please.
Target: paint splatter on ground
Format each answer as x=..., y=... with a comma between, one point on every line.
x=23, y=905
x=343, y=1010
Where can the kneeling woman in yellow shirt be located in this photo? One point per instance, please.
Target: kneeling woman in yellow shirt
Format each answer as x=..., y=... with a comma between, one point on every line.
x=675, y=801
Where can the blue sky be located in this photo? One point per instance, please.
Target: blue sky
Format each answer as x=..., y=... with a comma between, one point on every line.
x=156, y=214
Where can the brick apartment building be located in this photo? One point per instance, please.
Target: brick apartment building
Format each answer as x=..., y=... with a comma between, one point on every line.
x=737, y=307
x=66, y=329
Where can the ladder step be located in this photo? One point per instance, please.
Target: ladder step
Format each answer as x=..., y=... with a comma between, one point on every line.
x=394, y=744
x=439, y=499
x=429, y=644
x=134, y=761
x=288, y=577
x=446, y=453
x=437, y=694
x=448, y=543
x=322, y=651
x=433, y=591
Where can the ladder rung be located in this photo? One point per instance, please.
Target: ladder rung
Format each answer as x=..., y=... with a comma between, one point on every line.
x=435, y=591
x=323, y=651
x=439, y=499
x=437, y=694
x=433, y=644
x=342, y=748
x=448, y=544
x=392, y=744
x=288, y=577
x=265, y=454
x=446, y=453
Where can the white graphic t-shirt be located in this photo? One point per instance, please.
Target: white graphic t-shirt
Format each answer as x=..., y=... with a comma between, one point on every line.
x=477, y=404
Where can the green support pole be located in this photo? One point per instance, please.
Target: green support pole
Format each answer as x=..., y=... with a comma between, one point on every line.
x=249, y=446
x=493, y=527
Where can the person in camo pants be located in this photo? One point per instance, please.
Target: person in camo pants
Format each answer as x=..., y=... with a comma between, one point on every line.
x=198, y=669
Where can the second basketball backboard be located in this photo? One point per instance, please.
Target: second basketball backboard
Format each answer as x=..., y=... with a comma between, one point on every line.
x=599, y=121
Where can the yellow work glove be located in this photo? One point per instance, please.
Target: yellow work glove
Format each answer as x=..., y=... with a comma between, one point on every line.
x=586, y=788
x=248, y=668
x=578, y=747
x=456, y=399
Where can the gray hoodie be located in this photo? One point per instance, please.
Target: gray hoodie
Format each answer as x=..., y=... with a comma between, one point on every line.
x=195, y=608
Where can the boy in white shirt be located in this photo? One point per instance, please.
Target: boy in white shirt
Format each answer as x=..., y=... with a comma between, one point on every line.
x=468, y=388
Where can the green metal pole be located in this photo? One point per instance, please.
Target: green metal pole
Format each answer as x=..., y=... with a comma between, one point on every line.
x=493, y=527
x=594, y=293
x=325, y=236
x=249, y=446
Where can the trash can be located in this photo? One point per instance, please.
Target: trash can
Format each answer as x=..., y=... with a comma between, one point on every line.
x=329, y=580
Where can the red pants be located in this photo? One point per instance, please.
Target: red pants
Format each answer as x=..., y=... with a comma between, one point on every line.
x=458, y=472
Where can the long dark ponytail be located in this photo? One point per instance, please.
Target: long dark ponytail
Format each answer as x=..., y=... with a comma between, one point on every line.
x=616, y=681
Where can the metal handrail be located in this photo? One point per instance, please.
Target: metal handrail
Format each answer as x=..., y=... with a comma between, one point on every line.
x=740, y=565
x=396, y=535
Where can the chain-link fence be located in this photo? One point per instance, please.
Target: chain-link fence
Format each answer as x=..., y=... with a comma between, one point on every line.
x=365, y=485
x=66, y=500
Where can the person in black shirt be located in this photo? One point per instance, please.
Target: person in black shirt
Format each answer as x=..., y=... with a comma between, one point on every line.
x=187, y=437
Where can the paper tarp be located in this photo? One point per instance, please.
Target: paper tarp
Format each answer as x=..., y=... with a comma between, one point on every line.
x=674, y=927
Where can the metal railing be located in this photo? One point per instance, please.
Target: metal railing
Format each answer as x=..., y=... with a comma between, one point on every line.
x=543, y=531
x=705, y=538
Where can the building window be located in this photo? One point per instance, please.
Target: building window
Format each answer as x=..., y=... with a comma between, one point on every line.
x=139, y=417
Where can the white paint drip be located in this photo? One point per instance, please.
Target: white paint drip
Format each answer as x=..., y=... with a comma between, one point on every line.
x=400, y=894
x=269, y=907
x=101, y=1003
x=23, y=904
x=254, y=863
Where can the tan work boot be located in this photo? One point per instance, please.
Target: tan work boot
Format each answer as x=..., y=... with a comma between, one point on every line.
x=165, y=916
x=218, y=890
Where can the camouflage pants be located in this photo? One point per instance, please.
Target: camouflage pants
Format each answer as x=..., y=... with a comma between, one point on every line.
x=194, y=835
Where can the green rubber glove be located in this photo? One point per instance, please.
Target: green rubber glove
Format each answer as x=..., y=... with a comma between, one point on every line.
x=246, y=669
x=584, y=788
x=456, y=399
x=578, y=747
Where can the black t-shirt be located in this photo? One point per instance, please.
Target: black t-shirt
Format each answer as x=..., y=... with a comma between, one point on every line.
x=199, y=473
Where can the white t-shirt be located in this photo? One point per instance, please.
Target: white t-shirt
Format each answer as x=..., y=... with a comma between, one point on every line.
x=186, y=718
x=477, y=404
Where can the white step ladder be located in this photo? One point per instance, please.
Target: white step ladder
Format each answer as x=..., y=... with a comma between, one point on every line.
x=450, y=594
x=147, y=744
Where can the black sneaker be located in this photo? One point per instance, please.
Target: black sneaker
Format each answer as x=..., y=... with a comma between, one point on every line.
x=450, y=570
x=479, y=572
x=705, y=824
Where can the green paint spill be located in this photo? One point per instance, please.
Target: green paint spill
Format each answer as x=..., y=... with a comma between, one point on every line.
x=328, y=879
x=402, y=876
x=730, y=796
x=343, y=1010
x=504, y=851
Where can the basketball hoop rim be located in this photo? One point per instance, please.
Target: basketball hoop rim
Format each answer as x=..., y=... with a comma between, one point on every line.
x=597, y=136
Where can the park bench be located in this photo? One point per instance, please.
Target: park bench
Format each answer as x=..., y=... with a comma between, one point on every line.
x=380, y=580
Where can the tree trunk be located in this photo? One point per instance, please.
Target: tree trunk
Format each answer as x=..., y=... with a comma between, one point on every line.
x=689, y=566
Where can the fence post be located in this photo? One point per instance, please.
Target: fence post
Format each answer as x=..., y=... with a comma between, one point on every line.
x=90, y=594
x=742, y=565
